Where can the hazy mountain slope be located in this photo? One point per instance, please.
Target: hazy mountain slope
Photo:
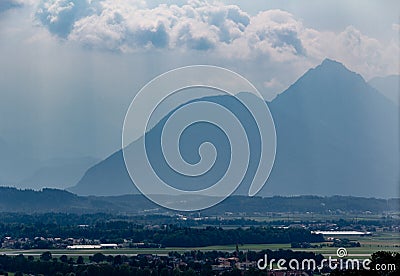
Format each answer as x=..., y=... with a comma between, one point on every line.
x=108, y=177
x=19, y=169
x=3, y=146
x=111, y=178
x=59, y=173
x=14, y=164
x=336, y=135
x=388, y=86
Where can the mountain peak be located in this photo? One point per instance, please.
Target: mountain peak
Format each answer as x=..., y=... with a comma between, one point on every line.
x=330, y=62
x=331, y=65
x=330, y=73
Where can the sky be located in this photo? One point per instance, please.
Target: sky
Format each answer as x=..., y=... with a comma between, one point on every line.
x=70, y=68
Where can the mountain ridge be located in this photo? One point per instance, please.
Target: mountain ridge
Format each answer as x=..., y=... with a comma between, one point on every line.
x=60, y=201
x=334, y=116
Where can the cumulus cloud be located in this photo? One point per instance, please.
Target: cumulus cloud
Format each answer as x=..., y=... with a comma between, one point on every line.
x=221, y=29
x=128, y=26
x=60, y=15
x=123, y=26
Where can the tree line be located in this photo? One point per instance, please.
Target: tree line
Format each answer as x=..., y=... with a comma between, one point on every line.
x=168, y=235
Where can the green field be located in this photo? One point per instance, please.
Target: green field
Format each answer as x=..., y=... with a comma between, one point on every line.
x=297, y=217
x=387, y=241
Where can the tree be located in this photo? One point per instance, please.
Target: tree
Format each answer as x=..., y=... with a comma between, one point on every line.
x=80, y=260
x=46, y=256
x=164, y=272
x=189, y=272
x=64, y=258
x=98, y=257
x=117, y=260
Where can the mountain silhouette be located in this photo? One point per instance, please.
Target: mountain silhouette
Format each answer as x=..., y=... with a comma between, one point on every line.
x=335, y=135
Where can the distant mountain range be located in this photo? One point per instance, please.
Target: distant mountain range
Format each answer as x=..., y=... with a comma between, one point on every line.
x=52, y=200
x=336, y=135
x=389, y=86
x=57, y=173
x=19, y=169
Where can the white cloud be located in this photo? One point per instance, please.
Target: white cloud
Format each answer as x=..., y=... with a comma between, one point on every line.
x=222, y=30
x=359, y=52
x=273, y=34
x=57, y=8
x=271, y=49
x=127, y=26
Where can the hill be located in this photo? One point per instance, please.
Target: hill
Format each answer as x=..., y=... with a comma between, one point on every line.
x=53, y=200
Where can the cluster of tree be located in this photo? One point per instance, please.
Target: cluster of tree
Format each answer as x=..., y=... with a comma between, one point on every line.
x=44, y=266
x=345, y=243
x=169, y=236
x=68, y=219
x=303, y=245
x=302, y=204
x=192, y=237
